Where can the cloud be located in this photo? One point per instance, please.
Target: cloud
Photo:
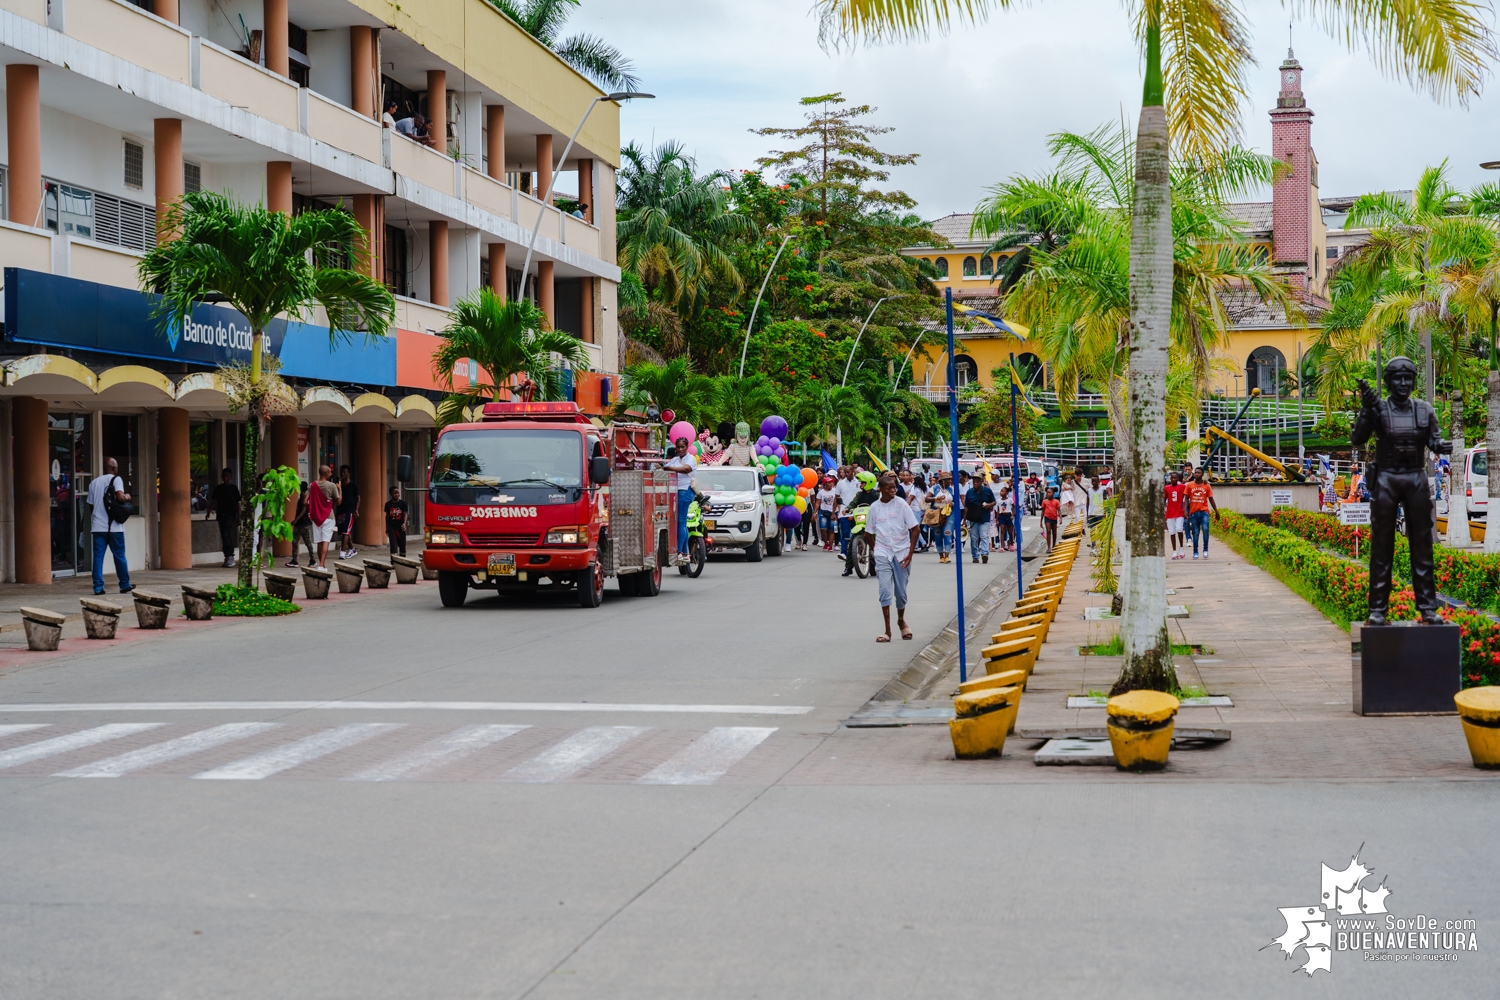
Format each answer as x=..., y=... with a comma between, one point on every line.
x=979, y=104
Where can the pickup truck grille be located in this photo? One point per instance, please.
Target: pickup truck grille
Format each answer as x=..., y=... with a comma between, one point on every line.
x=717, y=509
x=495, y=538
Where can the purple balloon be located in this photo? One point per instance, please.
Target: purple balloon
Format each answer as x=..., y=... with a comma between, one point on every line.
x=774, y=442
x=762, y=441
x=774, y=426
x=788, y=517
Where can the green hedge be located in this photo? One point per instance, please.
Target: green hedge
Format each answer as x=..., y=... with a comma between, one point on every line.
x=1340, y=588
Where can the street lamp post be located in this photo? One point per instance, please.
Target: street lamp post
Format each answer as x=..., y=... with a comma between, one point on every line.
x=756, y=308
x=619, y=95
x=840, y=433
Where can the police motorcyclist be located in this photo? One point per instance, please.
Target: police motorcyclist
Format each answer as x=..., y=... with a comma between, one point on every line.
x=868, y=493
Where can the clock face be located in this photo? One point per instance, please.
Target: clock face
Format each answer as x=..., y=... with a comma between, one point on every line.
x=1289, y=77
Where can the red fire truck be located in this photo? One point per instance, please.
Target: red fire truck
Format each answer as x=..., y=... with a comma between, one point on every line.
x=535, y=497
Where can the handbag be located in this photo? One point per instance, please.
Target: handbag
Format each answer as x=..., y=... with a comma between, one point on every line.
x=118, y=511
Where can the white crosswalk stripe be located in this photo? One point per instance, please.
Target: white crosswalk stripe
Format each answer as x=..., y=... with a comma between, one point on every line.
x=434, y=754
x=706, y=759
x=73, y=741
x=159, y=753
x=284, y=758
x=581, y=750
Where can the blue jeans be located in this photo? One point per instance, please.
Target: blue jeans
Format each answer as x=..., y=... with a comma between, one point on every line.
x=684, y=498
x=979, y=538
x=1197, y=523
x=846, y=528
x=943, y=534
x=115, y=542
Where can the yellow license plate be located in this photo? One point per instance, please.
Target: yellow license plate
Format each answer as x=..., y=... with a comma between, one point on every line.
x=502, y=564
x=709, y=525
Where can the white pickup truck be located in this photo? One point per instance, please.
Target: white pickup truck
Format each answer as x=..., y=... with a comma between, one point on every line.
x=740, y=513
x=1477, y=481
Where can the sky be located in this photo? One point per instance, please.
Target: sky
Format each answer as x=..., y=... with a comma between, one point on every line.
x=978, y=105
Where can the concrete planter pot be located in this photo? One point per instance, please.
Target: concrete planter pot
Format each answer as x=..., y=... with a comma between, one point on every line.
x=282, y=585
x=428, y=573
x=198, y=602
x=1479, y=713
x=1140, y=729
x=100, y=618
x=377, y=574
x=151, y=610
x=349, y=576
x=43, y=628
x=407, y=570
x=315, y=583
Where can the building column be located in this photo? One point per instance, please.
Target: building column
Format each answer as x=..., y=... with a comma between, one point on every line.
x=544, y=296
x=544, y=165
x=276, y=36
x=166, y=10
x=586, y=301
x=368, y=217
x=497, y=269
x=437, y=262
x=586, y=188
x=23, y=130
x=33, y=497
x=279, y=186
x=437, y=108
x=361, y=82
x=174, y=459
x=494, y=124
x=369, y=472
x=169, y=183
x=284, y=452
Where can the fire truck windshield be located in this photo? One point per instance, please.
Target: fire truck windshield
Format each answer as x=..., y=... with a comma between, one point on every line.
x=506, y=457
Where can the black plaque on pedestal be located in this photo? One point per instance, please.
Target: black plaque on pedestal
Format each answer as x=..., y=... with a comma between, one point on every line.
x=1405, y=668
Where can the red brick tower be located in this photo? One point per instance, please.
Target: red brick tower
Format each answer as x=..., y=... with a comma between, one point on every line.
x=1297, y=218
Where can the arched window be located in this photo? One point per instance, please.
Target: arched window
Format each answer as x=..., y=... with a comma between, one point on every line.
x=1030, y=367
x=942, y=267
x=964, y=370
x=1266, y=370
x=986, y=264
x=969, y=267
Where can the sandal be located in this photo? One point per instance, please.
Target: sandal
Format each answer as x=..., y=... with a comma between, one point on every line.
x=882, y=638
x=906, y=633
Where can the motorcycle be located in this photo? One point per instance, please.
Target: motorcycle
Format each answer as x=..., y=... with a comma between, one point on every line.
x=863, y=542
x=697, y=543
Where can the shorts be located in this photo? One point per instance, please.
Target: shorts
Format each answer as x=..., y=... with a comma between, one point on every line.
x=346, y=523
x=323, y=532
x=1174, y=525
x=825, y=520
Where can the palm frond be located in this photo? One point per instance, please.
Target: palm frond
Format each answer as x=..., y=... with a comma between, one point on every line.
x=599, y=61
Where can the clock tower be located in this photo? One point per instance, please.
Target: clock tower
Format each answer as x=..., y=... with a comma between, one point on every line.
x=1299, y=238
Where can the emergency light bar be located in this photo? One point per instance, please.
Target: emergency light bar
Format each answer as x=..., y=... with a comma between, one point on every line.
x=502, y=411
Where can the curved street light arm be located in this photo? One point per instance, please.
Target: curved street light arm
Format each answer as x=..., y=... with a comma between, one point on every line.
x=861, y=334
x=769, y=271
x=909, y=353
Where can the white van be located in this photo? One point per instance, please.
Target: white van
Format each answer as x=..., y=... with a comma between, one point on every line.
x=1476, y=481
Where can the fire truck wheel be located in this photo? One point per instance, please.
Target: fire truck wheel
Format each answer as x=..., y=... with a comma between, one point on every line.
x=757, y=550
x=453, y=588
x=591, y=586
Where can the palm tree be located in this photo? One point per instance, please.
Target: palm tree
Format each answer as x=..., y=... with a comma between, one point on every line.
x=672, y=386
x=507, y=340
x=673, y=225
x=266, y=265
x=736, y=398
x=1190, y=101
x=820, y=409
x=593, y=57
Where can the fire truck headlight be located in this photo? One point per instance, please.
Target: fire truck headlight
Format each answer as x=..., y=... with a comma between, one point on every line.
x=567, y=536
x=444, y=538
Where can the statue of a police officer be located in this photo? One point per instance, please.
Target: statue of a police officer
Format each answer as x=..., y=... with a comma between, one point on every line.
x=1405, y=429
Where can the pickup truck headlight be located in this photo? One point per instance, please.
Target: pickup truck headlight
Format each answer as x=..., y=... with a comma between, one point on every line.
x=568, y=536
x=746, y=505
x=443, y=538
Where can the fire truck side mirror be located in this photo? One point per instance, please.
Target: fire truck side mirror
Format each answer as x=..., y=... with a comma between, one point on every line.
x=598, y=470
x=403, y=469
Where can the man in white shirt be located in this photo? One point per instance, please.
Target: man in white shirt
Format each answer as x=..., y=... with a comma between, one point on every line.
x=681, y=466
x=895, y=528
x=107, y=533
x=847, y=488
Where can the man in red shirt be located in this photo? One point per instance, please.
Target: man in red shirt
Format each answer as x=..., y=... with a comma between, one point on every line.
x=1175, y=515
x=1200, y=497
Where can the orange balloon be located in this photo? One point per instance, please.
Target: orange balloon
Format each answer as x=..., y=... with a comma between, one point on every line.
x=803, y=491
x=809, y=477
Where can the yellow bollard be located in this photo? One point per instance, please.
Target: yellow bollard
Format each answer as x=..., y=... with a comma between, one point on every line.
x=1040, y=620
x=1479, y=712
x=982, y=720
x=1004, y=678
x=1140, y=728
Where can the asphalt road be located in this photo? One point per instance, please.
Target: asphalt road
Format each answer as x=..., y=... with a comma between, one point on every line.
x=535, y=800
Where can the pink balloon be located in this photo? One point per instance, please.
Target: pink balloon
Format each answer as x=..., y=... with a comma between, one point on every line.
x=681, y=429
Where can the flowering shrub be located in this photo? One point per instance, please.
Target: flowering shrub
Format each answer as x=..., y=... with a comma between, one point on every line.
x=1341, y=588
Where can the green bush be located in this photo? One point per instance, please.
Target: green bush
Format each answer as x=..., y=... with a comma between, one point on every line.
x=244, y=602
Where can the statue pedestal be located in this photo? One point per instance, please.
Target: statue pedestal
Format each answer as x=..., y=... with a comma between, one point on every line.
x=1405, y=668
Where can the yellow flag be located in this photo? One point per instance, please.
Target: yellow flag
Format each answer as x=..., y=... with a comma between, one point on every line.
x=879, y=465
x=1015, y=380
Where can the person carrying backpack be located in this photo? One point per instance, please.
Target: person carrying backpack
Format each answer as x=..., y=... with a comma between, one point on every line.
x=111, y=506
